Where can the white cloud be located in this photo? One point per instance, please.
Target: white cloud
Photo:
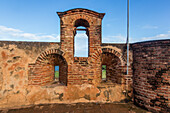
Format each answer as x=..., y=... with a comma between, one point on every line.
x=12, y=34
x=149, y=27
x=122, y=39
x=6, y=29
x=116, y=39
x=81, y=45
x=81, y=35
x=158, y=37
x=81, y=50
x=18, y=35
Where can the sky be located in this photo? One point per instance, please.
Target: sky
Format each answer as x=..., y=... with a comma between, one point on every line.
x=56, y=68
x=36, y=20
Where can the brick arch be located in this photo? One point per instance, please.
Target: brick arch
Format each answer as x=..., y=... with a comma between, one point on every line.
x=81, y=22
x=42, y=71
x=43, y=55
x=113, y=50
x=116, y=52
x=81, y=13
x=78, y=16
x=85, y=23
x=113, y=58
x=81, y=16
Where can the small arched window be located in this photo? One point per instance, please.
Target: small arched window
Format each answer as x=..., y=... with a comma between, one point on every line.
x=81, y=38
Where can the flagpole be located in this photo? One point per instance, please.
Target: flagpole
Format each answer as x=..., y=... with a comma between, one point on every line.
x=127, y=37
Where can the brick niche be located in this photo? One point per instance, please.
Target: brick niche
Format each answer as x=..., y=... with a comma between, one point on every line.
x=42, y=72
x=113, y=71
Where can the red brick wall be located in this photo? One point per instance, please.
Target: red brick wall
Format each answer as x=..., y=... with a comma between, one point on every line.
x=81, y=70
x=42, y=72
x=114, y=56
x=152, y=75
x=119, y=50
x=113, y=70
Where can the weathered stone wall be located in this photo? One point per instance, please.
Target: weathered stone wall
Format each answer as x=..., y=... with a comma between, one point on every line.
x=16, y=56
x=27, y=69
x=14, y=60
x=152, y=75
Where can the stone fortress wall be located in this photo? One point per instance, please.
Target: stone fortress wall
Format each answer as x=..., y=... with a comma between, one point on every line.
x=27, y=69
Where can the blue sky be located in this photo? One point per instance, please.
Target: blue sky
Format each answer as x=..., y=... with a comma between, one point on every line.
x=36, y=20
x=56, y=68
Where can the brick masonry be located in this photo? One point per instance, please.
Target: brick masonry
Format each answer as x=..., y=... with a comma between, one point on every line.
x=81, y=70
x=151, y=79
x=27, y=68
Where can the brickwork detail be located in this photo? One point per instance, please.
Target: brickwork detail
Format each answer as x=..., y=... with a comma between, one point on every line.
x=44, y=54
x=81, y=70
x=117, y=52
x=42, y=71
x=27, y=68
x=116, y=67
x=113, y=71
x=151, y=75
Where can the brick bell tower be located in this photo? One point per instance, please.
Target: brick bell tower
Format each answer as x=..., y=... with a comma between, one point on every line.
x=82, y=69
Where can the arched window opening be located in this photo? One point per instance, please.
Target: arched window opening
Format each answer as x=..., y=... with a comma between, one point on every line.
x=81, y=43
x=81, y=38
x=56, y=73
x=103, y=72
x=56, y=67
x=111, y=71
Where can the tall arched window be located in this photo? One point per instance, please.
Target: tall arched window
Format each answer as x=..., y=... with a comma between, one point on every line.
x=81, y=43
x=81, y=38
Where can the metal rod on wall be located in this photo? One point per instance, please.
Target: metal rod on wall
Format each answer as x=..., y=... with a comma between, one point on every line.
x=127, y=37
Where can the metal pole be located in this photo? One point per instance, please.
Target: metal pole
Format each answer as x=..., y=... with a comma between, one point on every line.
x=127, y=37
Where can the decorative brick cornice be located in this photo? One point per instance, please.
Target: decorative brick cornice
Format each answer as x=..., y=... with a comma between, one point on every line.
x=76, y=10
